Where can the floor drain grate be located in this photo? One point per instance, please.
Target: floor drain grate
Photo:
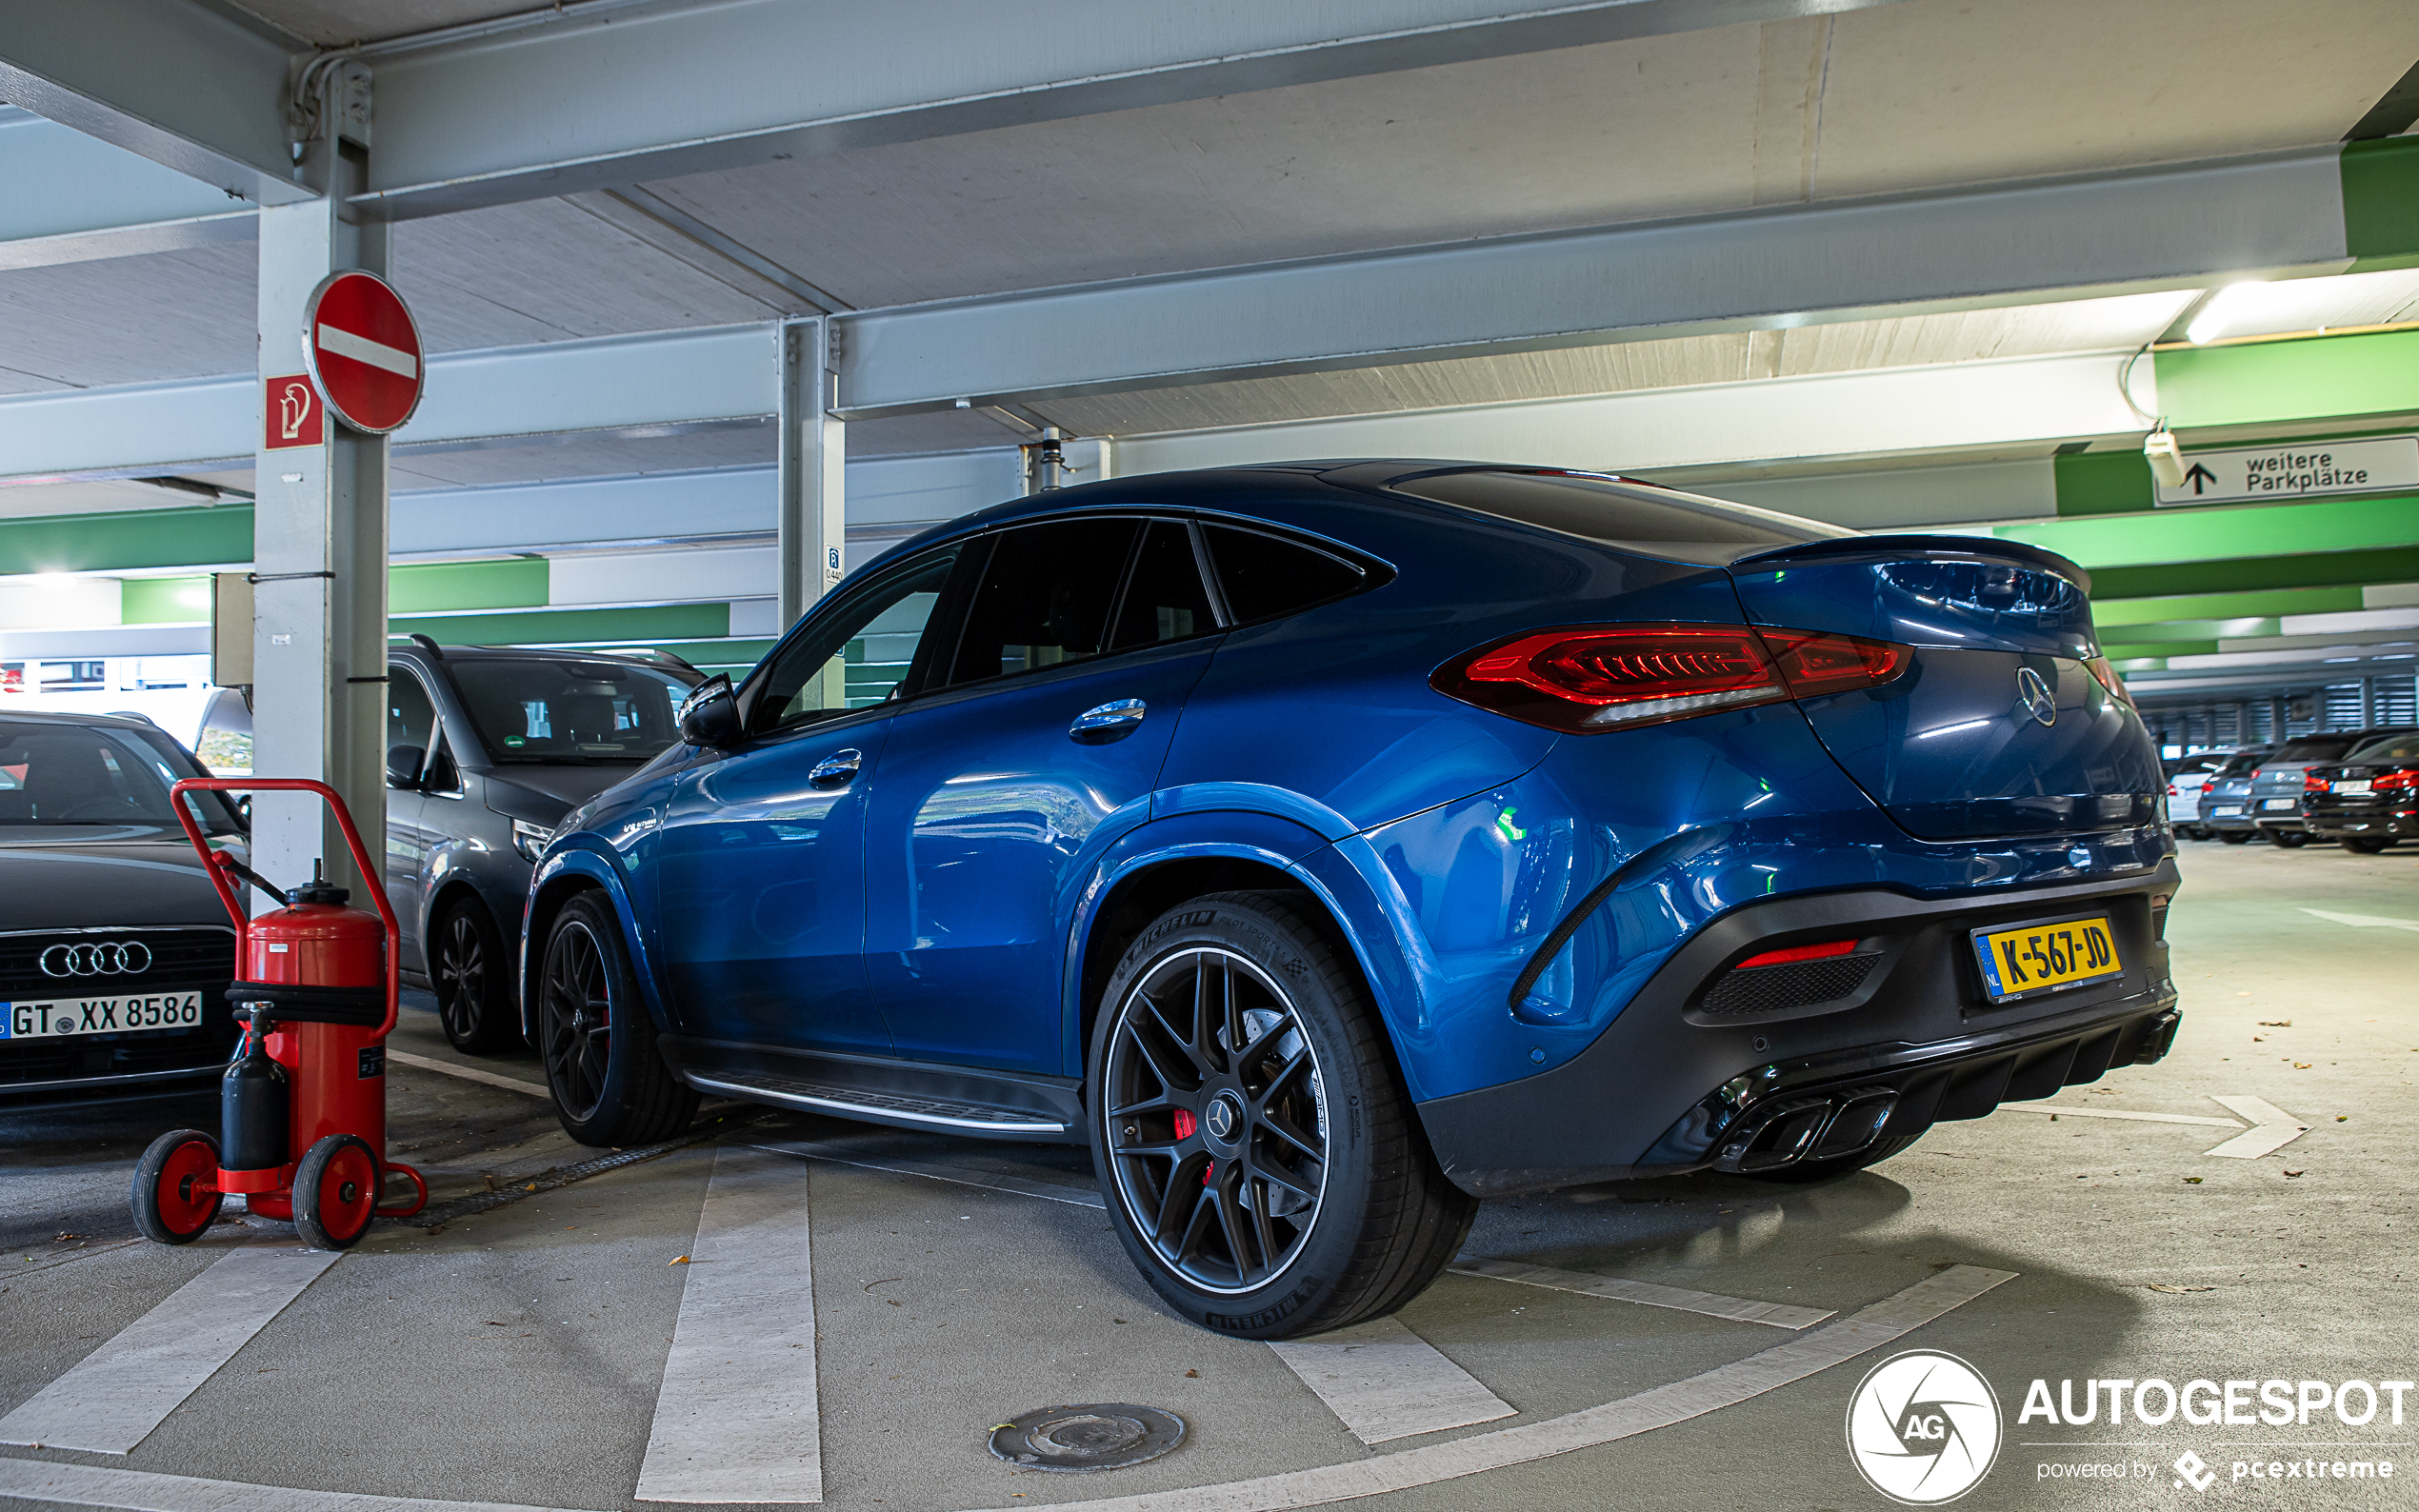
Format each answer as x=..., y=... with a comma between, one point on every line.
x=1101, y=1435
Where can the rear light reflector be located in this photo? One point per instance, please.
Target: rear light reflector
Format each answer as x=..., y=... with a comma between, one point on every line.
x=1796, y=953
x=1586, y=678
x=2106, y=674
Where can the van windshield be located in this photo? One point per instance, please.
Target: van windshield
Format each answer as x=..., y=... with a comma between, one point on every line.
x=577, y=712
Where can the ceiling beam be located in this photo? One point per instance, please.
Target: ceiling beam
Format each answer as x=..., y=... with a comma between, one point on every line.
x=72, y=198
x=2169, y=227
x=189, y=85
x=622, y=91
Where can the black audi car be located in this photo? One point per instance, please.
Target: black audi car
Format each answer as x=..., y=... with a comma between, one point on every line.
x=115, y=953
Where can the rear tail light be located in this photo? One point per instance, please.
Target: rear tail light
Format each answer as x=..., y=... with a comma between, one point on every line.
x=1796, y=953
x=2396, y=782
x=2208, y=788
x=2312, y=782
x=1587, y=678
x=2107, y=676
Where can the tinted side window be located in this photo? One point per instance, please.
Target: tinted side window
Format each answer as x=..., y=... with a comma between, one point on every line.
x=1165, y=600
x=858, y=655
x=1042, y=599
x=1263, y=576
x=411, y=718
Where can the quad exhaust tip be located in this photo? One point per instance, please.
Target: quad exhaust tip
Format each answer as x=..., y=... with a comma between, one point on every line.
x=1817, y=1127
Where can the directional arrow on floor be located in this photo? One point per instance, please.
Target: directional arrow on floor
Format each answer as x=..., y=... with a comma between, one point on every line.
x=2271, y=1130
x=2365, y=921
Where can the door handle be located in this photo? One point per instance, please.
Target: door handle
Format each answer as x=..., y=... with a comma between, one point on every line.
x=1113, y=721
x=836, y=769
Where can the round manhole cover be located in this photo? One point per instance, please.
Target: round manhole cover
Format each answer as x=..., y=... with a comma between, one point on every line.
x=1100, y=1435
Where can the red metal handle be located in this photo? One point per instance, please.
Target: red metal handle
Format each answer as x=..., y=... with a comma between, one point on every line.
x=227, y=893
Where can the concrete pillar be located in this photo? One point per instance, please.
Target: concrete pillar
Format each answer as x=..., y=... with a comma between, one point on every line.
x=811, y=528
x=319, y=560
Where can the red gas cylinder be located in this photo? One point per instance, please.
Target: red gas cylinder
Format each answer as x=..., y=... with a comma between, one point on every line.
x=322, y=968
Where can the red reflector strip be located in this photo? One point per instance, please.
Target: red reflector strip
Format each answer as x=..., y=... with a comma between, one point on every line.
x=1795, y=953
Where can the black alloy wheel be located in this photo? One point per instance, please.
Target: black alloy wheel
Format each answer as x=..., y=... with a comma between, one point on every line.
x=2289, y=839
x=2364, y=844
x=1218, y=1118
x=609, y=1082
x=466, y=966
x=1262, y=1162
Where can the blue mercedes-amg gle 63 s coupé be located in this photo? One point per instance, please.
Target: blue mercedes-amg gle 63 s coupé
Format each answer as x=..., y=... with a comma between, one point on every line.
x=1331, y=845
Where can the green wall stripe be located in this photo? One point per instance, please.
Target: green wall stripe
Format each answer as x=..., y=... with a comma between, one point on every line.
x=2241, y=530
x=683, y=622
x=163, y=601
x=2103, y=482
x=136, y=538
x=2377, y=373
x=2241, y=575
x=2223, y=606
x=2381, y=203
x=505, y=583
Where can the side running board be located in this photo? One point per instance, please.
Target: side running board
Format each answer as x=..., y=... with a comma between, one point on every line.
x=880, y=1107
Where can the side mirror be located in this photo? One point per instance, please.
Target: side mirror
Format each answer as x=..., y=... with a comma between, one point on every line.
x=709, y=715
x=403, y=766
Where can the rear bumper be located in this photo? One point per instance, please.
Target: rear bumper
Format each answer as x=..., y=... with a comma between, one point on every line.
x=1690, y=1077
x=2381, y=822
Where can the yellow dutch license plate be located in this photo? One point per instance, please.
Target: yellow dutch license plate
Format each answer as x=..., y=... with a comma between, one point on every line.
x=2034, y=958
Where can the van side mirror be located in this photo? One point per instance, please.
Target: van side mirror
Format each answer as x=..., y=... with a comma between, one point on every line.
x=709, y=715
x=403, y=766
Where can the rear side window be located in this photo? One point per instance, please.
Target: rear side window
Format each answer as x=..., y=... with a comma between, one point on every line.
x=1165, y=599
x=2311, y=750
x=2391, y=748
x=1044, y=598
x=1657, y=522
x=1263, y=576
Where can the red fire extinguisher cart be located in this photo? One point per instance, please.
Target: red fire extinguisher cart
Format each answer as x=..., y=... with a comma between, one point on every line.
x=303, y=1104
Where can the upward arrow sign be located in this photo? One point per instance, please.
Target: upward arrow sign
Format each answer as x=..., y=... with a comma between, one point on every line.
x=2200, y=478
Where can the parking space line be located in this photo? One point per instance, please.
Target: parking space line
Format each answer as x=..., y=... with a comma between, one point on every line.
x=1738, y=1310
x=143, y=1491
x=117, y=1394
x=1723, y=1386
x=992, y=1181
x=469, y=1073
x=1388, y=1383
x=737, y=1418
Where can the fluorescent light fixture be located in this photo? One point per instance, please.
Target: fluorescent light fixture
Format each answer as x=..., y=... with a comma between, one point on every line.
x=2229, y=303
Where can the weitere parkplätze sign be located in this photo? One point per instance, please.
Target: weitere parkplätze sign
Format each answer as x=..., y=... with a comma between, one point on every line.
x=2297, y=469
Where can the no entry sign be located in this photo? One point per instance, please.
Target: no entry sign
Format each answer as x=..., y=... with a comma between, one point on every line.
x=364, y=351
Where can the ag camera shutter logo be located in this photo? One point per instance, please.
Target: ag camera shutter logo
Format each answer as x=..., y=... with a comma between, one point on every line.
x=1923, y=1427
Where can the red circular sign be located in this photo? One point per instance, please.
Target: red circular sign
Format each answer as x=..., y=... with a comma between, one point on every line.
x=364, y=351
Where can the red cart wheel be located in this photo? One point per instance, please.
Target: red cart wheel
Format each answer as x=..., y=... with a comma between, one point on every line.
x=337, y=1192
x=176, y=1193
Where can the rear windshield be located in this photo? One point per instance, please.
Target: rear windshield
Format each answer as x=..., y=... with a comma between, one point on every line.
x=2388, y=748
x=2238, y=766
x=569, y=711
x=2324, y=749
x=1655, y=522
x=90, y=774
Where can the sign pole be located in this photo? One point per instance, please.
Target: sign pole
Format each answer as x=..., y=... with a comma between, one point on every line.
x=319, y=546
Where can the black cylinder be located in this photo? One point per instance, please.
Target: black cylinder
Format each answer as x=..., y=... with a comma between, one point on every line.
x=252, y=1106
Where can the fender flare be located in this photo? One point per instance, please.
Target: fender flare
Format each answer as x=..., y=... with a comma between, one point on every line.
x=582, y=861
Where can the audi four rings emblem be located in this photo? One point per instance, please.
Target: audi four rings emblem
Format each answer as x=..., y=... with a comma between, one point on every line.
x=110, y=958
x=2032, y=692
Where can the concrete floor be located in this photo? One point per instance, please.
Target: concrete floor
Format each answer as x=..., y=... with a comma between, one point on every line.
x=516, y=1356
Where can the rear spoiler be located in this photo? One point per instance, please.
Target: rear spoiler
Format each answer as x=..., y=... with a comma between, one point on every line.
x=1984, y=549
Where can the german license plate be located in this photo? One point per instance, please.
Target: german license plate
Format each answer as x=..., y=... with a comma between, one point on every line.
x=69, y=1018
x=2036, y=958
x=2356, y=785
x=2215, y=812
x=2274, y=804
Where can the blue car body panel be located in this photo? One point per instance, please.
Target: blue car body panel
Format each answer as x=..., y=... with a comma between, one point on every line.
x=1516, y=897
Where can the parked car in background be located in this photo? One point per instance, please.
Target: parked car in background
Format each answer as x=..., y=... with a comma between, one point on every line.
x=2369, y=801
x=2277, y=788
x=487, y=749
x=2185, y=777
x=2226, y=798
x=115, y=953
x=1330, y=845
